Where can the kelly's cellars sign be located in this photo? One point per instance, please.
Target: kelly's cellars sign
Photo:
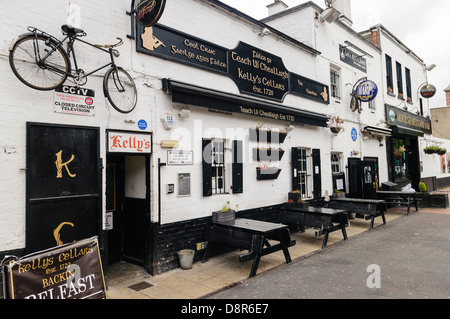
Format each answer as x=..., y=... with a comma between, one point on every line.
x=71, y=271
x=255, y=72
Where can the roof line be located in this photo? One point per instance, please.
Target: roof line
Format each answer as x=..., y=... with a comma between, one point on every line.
x=277, y=32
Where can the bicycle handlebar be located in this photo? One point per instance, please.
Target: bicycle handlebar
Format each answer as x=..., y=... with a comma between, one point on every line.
x=107, y=46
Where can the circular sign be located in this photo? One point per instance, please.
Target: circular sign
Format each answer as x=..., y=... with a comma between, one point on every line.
x=428, y=91
x=354, y=134
x=148, y=12
x=89, y=101
x=142, y=124
x=367, y=91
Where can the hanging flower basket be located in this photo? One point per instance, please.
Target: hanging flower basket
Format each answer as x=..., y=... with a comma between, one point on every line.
x=442, y=151
x=431, y=150
x=335, y=129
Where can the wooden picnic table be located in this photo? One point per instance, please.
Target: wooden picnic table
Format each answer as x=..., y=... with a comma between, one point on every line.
x=324, y=219
x=251, y=235
x=363, y=208
x=399, y=198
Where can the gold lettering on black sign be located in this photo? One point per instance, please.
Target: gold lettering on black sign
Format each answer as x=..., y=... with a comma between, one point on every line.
x=59, y=165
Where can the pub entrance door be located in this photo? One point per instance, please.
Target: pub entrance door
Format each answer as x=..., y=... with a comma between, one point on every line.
x=128, y=209
x=361, y=178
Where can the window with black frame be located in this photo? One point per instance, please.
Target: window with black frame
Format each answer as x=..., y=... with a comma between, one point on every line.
x=400, y=159
x=399, y=80
x=218, y=167
x=389, y=76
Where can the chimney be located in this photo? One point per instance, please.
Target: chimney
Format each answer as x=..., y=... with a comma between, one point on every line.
x=447, y=94
x=277, y=7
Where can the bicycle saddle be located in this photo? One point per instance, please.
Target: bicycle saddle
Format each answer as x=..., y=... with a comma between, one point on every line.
x=68, y=29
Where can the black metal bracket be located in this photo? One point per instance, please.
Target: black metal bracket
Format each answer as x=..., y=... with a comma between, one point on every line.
x=132, y=13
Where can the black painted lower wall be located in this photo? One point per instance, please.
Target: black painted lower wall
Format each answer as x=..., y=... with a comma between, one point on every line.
x=171, y=238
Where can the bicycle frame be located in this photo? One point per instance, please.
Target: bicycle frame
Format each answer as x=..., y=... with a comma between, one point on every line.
x=71, y=49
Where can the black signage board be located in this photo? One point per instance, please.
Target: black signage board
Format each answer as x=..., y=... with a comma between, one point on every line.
x=399, y=117
x=352, y=58
x=309, y=88
x=170, y=44
x=255, y=72
x=71, y=271
x=63, y=194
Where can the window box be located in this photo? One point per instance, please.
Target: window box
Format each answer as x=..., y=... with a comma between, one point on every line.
x=268, y=173
x=223, y=216
x=261, y=135
x=267, y=154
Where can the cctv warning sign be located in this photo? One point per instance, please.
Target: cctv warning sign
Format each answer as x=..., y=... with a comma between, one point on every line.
x=74, y=100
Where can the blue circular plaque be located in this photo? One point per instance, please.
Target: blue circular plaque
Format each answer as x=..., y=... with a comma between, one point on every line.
x=354, y=134
x=142, y=124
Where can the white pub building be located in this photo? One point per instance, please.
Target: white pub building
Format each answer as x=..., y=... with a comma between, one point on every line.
x=231, y=111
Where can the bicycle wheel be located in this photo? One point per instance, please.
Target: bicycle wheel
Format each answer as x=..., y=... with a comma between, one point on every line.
x=25, y=61
x=120, y=90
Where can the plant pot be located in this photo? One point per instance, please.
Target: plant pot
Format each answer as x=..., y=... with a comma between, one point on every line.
x=221, y=217
x=186, y=258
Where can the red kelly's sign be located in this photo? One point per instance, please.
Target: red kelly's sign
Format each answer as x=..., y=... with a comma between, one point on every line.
x=129, y=142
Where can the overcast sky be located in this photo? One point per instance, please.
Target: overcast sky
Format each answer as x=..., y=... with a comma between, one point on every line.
x=423, y=26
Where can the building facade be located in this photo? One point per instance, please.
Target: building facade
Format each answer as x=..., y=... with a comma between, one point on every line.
x=231, y=112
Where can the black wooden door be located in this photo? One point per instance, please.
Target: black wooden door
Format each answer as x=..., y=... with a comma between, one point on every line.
x=63, y=185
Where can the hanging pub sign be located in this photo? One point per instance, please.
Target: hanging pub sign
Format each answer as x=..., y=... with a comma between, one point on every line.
x=353, y=59
x=367, y=91
x=148, y=12
x=71, y=271
x=428, y=91
x=255, y=72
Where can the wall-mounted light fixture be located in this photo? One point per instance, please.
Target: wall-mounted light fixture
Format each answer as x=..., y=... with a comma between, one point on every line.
x=418, y=112
x=169, y=144
x=185, y=114
x=430, y=67
x=265, y=32
x=290, y=128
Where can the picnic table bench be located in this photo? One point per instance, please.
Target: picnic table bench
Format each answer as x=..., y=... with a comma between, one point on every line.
x=251, y=235
x=399, y=198
x=363, y=208
x=325, y=220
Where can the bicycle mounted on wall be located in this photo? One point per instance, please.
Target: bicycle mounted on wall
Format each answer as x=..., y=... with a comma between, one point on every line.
x=40, y=61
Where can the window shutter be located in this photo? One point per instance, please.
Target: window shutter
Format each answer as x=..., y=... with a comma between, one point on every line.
x=238, y=168
x=296, y=168
x=317, y=173
x=207, y=167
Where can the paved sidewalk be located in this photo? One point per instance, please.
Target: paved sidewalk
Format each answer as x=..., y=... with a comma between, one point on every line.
x=126, y=281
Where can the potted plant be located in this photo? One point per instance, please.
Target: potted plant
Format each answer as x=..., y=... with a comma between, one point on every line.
x=295, y=200
x=335, y=124
x=224, y=215
x=441, y=151
x=424, y=195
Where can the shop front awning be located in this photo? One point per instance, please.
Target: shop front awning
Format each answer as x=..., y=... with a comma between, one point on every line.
x=227, y=102
x=400, y=130
x=377, y=131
